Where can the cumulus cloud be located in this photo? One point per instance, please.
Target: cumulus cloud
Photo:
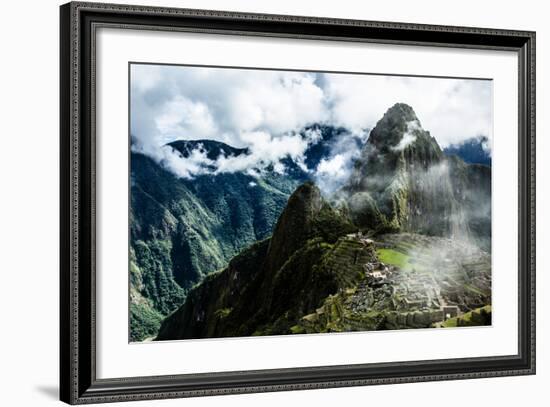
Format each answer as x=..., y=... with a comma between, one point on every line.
x=335, y=169
x=451, y=109
x=195, y=163
x=265, y=150
x=331, y=171
x=232, y=102
x=267, y=111
x=409, y=137
x=261, y=110
x=182, y=116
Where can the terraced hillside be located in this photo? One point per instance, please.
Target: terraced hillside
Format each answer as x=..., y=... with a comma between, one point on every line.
x=416, y=282
x=331, y=278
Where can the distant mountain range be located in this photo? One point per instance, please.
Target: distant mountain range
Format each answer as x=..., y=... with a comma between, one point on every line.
x=472, y=151
x=183, y=229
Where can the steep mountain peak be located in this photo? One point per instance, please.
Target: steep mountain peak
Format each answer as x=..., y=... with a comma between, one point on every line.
x=306, y=215
x=307, y=195
x=397, y=129
x=294, y=224
x=401, y=176
x=401, y=111
x=397, y=145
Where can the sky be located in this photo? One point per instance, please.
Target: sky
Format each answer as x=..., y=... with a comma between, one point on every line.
x=266, y=111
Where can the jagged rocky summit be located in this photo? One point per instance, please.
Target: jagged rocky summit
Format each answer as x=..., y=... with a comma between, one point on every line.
x=404, y=182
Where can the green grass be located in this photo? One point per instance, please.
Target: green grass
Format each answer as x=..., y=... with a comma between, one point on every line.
x=297, y=329
x=467, y=319
x=395, y=258
x=450, y=323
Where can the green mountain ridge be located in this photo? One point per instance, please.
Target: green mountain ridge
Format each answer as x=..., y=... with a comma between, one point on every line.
x=181, y=229
x=212, y=148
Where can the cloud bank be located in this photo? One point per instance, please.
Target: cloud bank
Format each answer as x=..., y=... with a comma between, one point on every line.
x=267, y=111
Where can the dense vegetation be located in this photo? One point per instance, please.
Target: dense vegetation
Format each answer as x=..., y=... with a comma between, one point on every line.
x=181, y=229
x=267, y=287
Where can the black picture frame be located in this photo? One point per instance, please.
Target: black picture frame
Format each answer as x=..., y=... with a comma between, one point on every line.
x=78, y=382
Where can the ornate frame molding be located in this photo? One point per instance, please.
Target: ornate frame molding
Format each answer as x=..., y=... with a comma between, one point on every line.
x=79, y=20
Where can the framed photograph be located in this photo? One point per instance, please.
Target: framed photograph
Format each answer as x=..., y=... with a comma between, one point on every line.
x=255, y=203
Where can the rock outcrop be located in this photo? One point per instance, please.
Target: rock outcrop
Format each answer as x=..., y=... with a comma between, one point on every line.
x=404, y=182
